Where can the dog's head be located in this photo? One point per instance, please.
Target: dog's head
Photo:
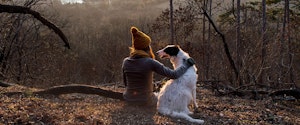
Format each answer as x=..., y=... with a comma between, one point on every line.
x=168, y=51
x=174, y=53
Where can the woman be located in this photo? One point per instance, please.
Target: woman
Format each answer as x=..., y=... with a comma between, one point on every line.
x=138, y=70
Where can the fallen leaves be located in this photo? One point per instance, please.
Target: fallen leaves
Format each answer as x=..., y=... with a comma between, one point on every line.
x=92, y=109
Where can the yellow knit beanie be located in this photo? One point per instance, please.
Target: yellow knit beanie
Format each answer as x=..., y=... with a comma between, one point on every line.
x=140, y=40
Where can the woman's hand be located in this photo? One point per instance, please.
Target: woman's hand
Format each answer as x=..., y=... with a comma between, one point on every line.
x=189, y=62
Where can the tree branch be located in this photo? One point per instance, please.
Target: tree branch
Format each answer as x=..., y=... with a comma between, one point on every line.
x=224, y=44
x=37, y=15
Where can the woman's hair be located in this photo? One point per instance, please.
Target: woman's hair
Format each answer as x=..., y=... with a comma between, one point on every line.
x=150, y=52
x=147, y=52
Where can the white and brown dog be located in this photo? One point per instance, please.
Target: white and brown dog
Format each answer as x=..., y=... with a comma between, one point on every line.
x=176, y=95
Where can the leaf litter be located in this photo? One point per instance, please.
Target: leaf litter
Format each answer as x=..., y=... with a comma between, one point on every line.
x=83, y=109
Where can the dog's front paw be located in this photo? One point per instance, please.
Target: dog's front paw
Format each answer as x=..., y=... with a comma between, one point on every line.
x=200, y=121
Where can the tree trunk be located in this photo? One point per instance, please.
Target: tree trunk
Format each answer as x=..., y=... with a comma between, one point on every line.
x=171, y=22
x=208, y=43
x=264, y=42
x=287, y=12
x=205, y=75
x=238, y=39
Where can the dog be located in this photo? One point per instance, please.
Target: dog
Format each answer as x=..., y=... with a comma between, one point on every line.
x=175, y=96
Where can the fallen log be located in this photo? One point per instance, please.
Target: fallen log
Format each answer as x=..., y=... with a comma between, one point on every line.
x=74, y=88
x=289, y=92
x=84, y=89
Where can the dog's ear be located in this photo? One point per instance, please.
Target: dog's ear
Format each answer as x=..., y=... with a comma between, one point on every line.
x=172, y=50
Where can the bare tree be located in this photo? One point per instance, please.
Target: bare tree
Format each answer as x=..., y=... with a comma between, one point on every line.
x=226, y=48
x=264, y=41
x=205, y=42
x=171, y=22
x=209, y=42
x=24, y=48
x=289, y=52
x=238, y=38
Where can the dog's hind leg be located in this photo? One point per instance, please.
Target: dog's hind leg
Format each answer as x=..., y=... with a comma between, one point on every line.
x=187, y=111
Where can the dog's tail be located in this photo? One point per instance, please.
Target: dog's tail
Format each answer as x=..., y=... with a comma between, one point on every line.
x=186, y=117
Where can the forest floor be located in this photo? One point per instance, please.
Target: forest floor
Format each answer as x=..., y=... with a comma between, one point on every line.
x=82, y=109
